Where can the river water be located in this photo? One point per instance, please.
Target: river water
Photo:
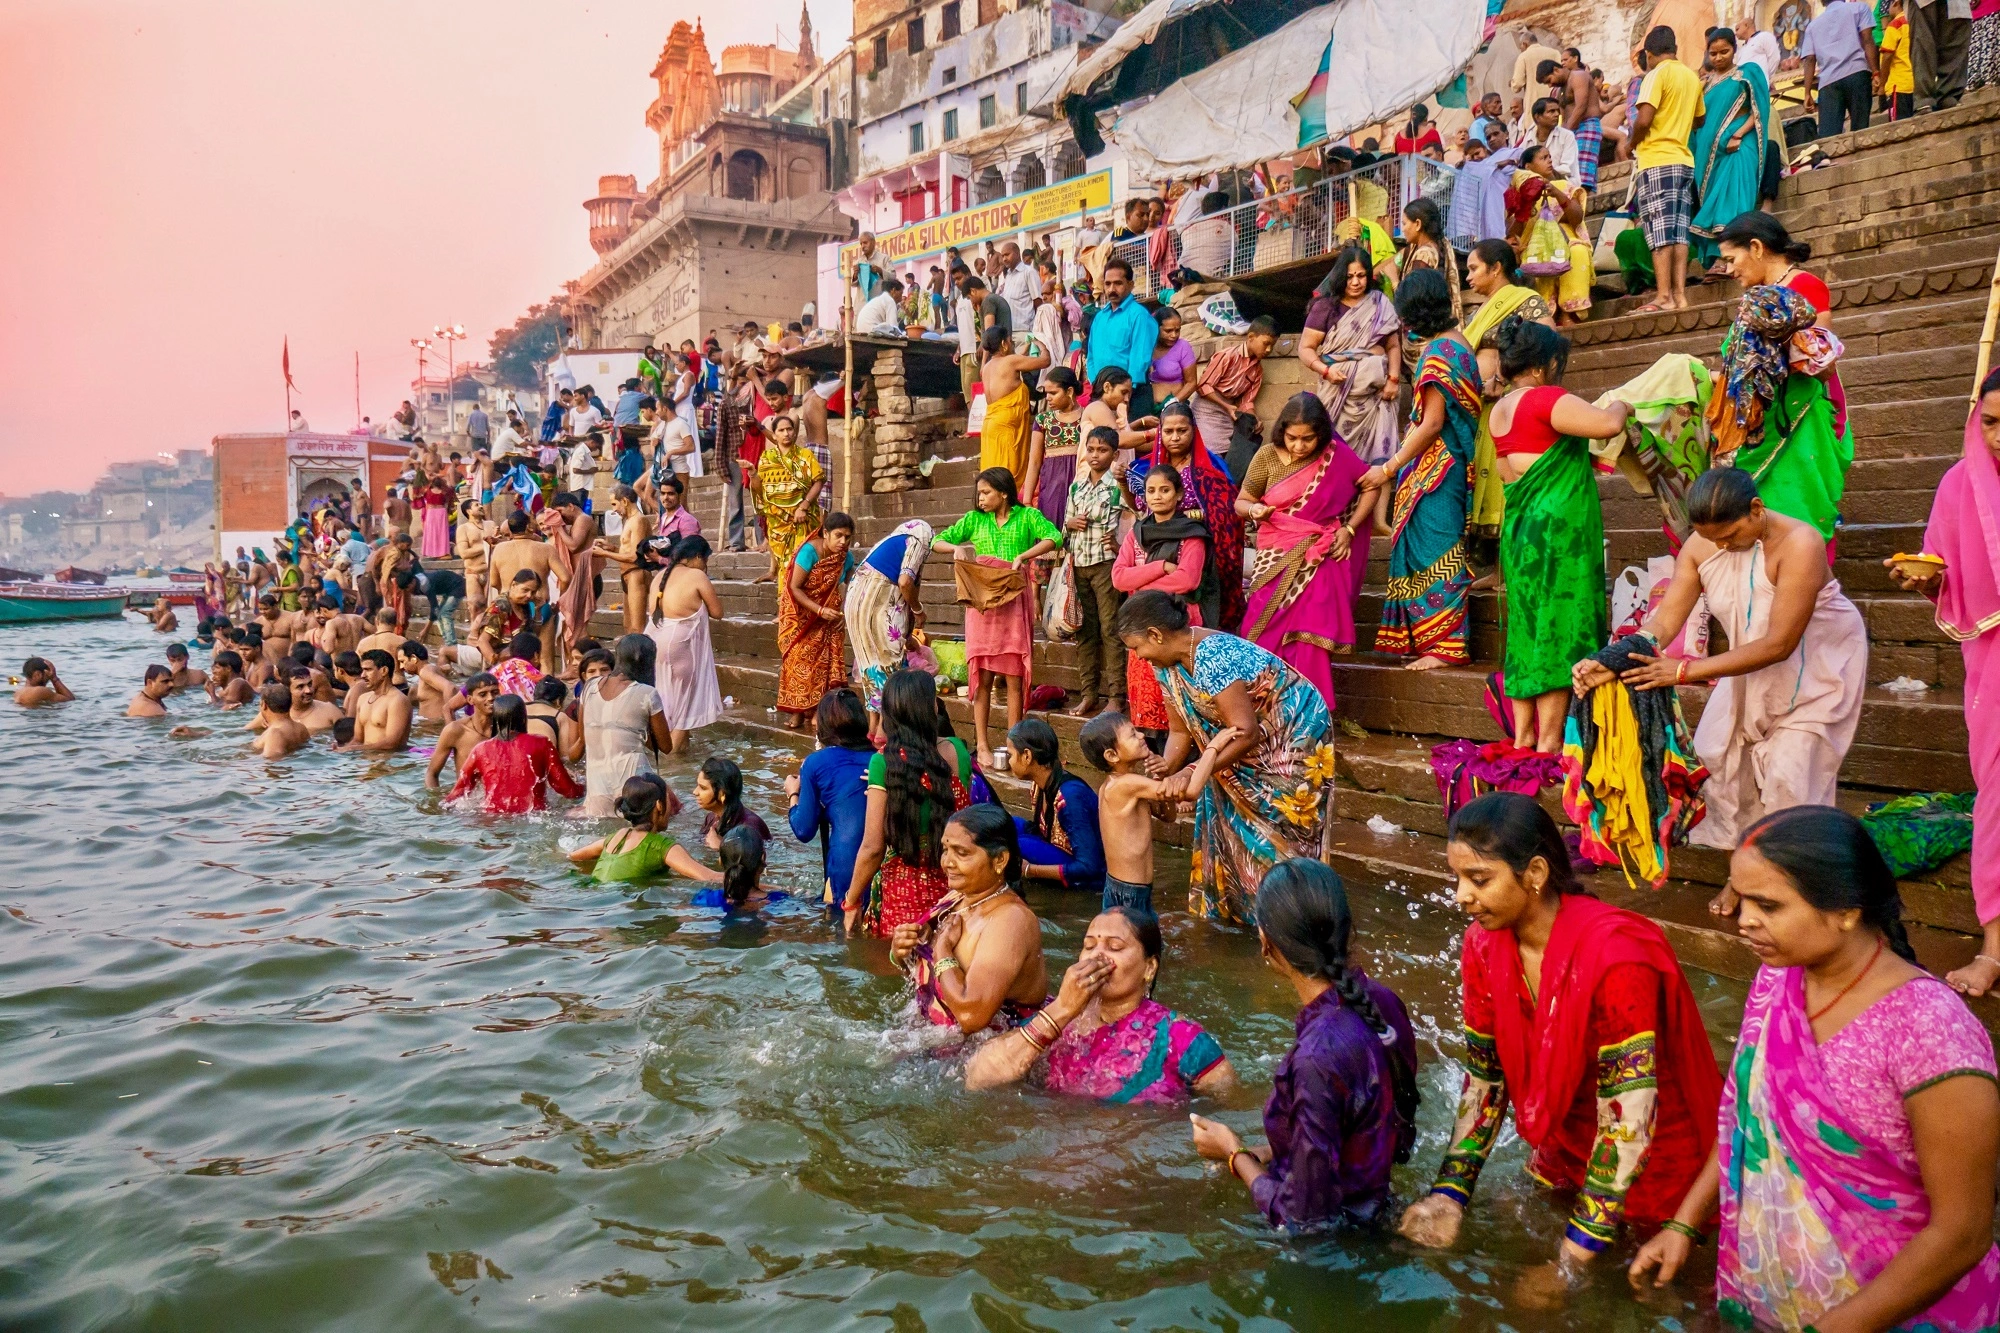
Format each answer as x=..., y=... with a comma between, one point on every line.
x=285, y=1046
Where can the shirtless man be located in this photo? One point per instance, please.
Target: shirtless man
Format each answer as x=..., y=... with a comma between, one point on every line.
x=383, y=566
x=43, y=687
x=1577, y=91
x=278, y=734
x=163, y=618
x=308, y=709
x=455, y=742
x=347, y=680
x=521, y=607
x=185, y=676
x=335, y=632
x=432, y=691
x=396, y=513
x=520, y=549
x=386, y=638
x=226, y=686
x=150, y=701
x=381, y=713
x=634, y=528
x=281, y=628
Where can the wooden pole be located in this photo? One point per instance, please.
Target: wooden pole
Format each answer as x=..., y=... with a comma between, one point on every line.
x=848, y=391
x=1986, y=331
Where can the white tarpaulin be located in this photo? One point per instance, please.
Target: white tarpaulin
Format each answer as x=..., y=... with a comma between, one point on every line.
x=1386, y=55
x=1133, y=33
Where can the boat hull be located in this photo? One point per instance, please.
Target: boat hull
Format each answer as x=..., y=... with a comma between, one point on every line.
x=17, y=608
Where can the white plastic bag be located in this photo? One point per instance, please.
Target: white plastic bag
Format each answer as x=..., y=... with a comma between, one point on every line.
x=1062, y=613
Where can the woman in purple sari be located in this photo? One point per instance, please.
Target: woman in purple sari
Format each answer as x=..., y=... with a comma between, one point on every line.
x=1353, y=347
x=1859, y=1124
x=1303, y=489
x=1104, y=1035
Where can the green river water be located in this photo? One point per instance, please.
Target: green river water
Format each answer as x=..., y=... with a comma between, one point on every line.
x=285, y=1046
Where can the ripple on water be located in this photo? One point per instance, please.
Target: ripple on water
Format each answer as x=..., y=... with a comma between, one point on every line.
x=288, y=1046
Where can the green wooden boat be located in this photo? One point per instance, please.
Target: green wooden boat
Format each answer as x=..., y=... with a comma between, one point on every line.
x=21, y=602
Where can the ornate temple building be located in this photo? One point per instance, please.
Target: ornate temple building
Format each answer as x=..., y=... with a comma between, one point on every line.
x=730, y=226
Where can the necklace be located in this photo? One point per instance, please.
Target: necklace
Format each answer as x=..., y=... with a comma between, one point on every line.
x=1812, y=1017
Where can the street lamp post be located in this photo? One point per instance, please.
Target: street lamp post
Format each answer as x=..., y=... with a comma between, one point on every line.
x=422, y=345
x=450, y=333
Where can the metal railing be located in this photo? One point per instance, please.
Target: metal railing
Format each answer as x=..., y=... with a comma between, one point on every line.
x=1301, y=224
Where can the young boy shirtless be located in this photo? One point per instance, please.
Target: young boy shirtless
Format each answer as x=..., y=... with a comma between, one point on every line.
x=279, y=735
x=455, y=742
x=1126, y=801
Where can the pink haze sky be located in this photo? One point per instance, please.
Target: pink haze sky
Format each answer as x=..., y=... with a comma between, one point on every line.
x=190, y=181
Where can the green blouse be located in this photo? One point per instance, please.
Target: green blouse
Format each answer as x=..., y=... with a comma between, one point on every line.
x=1025, y=526
x=637, y=860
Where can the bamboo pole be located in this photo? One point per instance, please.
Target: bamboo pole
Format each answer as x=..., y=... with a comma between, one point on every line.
x=1986, y=331
x=847, y=392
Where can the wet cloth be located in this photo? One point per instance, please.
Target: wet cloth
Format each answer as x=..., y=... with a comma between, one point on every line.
x=1356, y=370
x=514, y=774
x=1150, y=1055
x=1607, y=1065
x=684, y=670
x=1669, y=402
x=1552, y=547
x=1331, y=1119
x=1302, y=601
x=1964, y=531
x=1920, y=831
x=1821, y=1186
x=1424, y=610
x=576, y=597
x=1776, y=737
x=999, y=640
x=616, y=733
x=1466, y=769
x=1003, y=437
x=832, y=809
x=812, y=652
x=640, y=858
x=1274, y=804
x=1632, y=782
x=905, y=892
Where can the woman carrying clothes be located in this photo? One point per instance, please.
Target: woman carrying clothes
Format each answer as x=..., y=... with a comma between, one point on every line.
x=1552, y=539
x=1313, y=520
x=1166, y=551
x=1343, y=1103
x=789, y=481
x=1491, y=270
x=1207, y=494
x=812, y=646
x=1104, y=1036
x=999, y=642
x=1577, y=1012
x=1271, y=797
x=1062, y=842
x=976, y=956
x=1423, y=615
x=1964, y=533
x=884, y=604
x=1547, y=215
x=622, y=714
x=1352, y=350
x=1860, y=1125
x=1729, y=145
x=829, y=793
x=914, y=786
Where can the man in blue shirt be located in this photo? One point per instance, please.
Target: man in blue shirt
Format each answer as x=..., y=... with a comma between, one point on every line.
x=1489, y=111
x=1123, y=334
x=355, y=549
x=1838, y=53
x=552, y=420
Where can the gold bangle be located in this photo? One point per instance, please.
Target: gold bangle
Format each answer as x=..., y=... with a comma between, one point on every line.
x=944, y=964
x=1027, y=1031
x=1055, y=1029
x=1240, y=1152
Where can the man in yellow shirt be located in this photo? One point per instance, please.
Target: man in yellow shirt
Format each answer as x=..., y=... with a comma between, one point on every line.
x=1670, y=106
x=1895, y=81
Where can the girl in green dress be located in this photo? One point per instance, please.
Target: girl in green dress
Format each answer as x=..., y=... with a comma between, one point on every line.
x=645, y=849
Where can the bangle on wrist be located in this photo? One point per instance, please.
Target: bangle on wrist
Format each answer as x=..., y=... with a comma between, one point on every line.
x=1681, y=672
x=1240, y=1152
x=1674, y=1224
x=944, y=965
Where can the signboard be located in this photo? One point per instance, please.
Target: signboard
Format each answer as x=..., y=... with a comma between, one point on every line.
x=339, y=448
x=1034, y=208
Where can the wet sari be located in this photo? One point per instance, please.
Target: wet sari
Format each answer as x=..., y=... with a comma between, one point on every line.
x=1552, y=547
x=1150, y=1055
x=577, y=597
x=1356, y=372
x=1302, y=602
x=1276, y=803
x=784, y=476
x=924, y=974
x=811, y=651
x=1424, y=611
x=1727, y=183
x=1820, y=1182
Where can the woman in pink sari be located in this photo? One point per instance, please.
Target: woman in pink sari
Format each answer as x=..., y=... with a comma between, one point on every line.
x=1964, y=536
x=437, y=520
x=1859, y=1123
x=1312, y=541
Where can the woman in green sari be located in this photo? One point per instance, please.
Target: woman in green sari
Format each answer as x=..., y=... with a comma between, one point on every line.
x=1492, y=272
x=1552, y=540
x=1730, y=145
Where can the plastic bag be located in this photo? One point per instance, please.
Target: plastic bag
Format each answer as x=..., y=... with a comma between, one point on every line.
x=1062, y=612
x=950, y=654
x=1546, y=254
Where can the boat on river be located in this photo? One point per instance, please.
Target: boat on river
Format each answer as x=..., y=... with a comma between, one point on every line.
x=21, y=602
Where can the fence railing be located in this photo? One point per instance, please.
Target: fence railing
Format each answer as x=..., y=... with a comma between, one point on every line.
x=1300, y=224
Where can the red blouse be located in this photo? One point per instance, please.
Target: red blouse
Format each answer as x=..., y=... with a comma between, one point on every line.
x=1532, y=432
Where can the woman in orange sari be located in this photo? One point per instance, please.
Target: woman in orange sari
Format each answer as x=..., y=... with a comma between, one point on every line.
x=812, y=635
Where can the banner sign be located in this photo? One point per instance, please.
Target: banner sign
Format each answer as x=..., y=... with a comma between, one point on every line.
x=346, y=448
x=1033, y=208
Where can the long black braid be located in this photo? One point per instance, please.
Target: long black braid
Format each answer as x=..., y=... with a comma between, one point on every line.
x=1303, y=913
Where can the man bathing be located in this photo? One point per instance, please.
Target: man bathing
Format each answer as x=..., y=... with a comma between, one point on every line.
x=226, y=686
x=43, y=685
x=278, y=734
x=381, y=713
x=455, y=742
x=432, y=692
x=185, y=677
x=150, y=701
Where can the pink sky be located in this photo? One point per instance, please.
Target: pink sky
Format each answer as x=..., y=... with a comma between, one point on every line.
x=190, y=181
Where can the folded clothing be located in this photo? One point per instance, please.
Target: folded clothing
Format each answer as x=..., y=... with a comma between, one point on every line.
x=1633, y=780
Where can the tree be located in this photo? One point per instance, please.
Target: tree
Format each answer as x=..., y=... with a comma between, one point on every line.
x=518, y=353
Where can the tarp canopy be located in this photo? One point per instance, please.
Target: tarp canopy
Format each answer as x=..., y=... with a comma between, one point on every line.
x=1168, y=40
x=1379, y=57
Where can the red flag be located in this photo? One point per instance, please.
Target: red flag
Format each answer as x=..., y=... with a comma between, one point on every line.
x=288, y=364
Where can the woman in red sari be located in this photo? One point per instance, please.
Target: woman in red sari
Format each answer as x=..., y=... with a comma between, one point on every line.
x=1304, y=491
x=1577, y=1012
x=812, y=637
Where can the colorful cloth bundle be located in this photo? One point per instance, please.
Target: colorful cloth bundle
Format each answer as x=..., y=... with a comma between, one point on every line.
x=1466, y=769
x=1632, y=779
x=1756, y=359
x=1921, y=831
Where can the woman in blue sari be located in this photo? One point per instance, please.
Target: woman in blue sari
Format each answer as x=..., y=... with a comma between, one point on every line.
x=1423, y=615
x=1730, y=145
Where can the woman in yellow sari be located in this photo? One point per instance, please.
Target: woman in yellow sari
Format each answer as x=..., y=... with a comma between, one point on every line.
x=1005, y=434
x=789, y=481
x=1545, y=215
x=1491, y=272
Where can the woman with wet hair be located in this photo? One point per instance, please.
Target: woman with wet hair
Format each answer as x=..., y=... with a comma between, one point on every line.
x=513, y=769
x=1854, y=1166
x=1062, y=841
x=643, y=849
x=976, y=956
x=914, y=785
x=1343, y=1104
x=829, y=793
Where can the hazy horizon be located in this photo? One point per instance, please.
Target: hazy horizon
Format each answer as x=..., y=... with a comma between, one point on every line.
x=197, y=181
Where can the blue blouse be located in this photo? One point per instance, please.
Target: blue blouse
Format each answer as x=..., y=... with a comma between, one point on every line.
x=833, y=807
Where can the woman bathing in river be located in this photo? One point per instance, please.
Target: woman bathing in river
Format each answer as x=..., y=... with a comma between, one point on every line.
x=976, y=957
x=645, y=848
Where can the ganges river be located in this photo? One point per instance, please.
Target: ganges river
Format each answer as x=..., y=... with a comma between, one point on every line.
x=287, y=1046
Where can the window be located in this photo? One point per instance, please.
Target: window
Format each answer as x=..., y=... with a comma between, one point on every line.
x=916, y=34
x=950, y=75
x=989, y=112
x=917, y=137
x=881, y=50
x=1021, y=98
x=951, y=125
x=948, y=21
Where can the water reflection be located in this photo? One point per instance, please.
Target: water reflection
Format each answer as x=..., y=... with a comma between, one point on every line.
x=289, y=1047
